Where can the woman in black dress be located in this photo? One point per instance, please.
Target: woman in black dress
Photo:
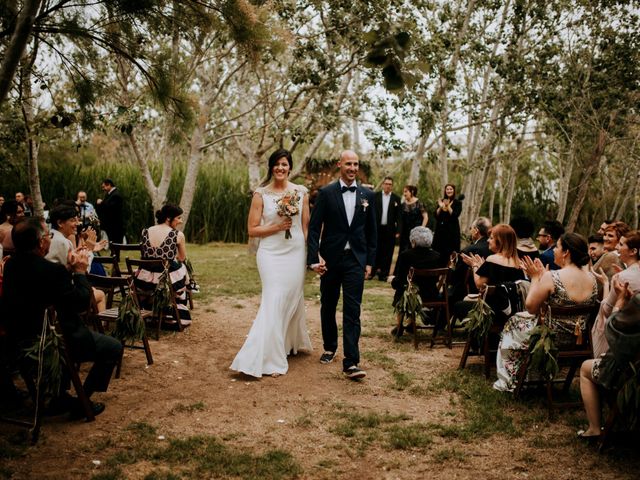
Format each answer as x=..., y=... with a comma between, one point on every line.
x=447, y=235
x=413, y=214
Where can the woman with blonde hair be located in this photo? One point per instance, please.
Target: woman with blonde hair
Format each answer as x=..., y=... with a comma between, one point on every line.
x=609, y=262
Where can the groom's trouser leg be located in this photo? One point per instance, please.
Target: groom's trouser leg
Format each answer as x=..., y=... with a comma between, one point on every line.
x=352, y=288
x=330, y=284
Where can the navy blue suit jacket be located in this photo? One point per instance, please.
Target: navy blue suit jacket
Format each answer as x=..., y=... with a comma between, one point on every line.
x=329, y=229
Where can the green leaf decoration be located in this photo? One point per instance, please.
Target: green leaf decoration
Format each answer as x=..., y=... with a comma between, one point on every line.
x=130, y=327
x=162, y=294
x=50, y=353
x=480, y=320
x=410, y=304
x=543, y=352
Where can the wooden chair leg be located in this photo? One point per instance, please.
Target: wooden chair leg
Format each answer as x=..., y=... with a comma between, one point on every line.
x=119, y=364
x=569, y=378
x=550, y=398
x=608, y=426
x=465, y=354
x=412, y=321
x=147, y=350
x=449, y=329
x=521, y=375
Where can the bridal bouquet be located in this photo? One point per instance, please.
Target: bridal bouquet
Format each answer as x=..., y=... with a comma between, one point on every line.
x=288, y=206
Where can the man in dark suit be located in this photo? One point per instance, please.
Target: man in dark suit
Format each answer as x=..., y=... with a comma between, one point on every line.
x=32, y=283
x=344, y=214
x=479, y=231
x=387, y=217
x=110, y=211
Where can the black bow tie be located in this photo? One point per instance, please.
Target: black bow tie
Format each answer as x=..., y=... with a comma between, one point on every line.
x=344, y=189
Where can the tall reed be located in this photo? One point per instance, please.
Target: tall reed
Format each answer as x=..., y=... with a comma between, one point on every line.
x=220, y=206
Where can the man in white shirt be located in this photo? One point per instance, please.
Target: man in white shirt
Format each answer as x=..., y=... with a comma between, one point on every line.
x=387, y=218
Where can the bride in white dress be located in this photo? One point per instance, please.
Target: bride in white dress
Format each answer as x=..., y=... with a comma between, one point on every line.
x=279, y=327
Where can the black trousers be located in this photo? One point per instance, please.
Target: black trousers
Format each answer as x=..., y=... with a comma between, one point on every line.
x=105, y=357
x=348, y=275
x=384, y=252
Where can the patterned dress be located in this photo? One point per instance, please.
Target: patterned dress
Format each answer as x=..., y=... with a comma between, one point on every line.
x=167, y=250
x=514, y=341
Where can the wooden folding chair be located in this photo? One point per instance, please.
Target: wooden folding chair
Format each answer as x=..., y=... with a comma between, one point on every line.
x=437, y=305
x=145, y=297
x=110, y=315
x=486, y=350
x=570, y=357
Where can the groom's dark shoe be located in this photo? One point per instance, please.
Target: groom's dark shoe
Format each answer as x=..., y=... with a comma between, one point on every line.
x=327, y=357
x=354, y=373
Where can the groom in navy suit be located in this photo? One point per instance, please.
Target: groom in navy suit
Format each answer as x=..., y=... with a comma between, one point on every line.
x=343, y=231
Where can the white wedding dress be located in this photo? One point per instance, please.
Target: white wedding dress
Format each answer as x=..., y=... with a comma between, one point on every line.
x=279, y=327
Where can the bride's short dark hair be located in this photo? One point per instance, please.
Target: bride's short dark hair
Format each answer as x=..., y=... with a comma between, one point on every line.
x=274, y=157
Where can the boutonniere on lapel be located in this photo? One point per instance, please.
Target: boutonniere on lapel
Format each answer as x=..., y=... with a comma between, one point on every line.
x=365, y=204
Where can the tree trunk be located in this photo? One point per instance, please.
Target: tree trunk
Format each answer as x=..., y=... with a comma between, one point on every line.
x=587, y=176
x=31, y=137
x=15, y=49
x=195, y=160
x=564, y=184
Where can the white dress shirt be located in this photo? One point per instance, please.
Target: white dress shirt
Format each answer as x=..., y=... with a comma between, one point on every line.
x=349, y=199
x=386, y=198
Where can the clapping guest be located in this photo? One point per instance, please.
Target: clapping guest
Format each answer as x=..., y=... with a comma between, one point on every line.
x=446, y=239
x=571, y=285
x=32, y=283
x=609, y=262
x=628, y=249
x=623, y=333
x=64, y=223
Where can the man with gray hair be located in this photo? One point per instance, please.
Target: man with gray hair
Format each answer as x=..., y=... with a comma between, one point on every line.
x=420, y=255
x=479, y=232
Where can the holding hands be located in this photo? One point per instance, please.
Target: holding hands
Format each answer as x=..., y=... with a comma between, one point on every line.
x=534, y=269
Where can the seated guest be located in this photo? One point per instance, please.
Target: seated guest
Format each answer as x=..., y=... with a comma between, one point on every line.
x=569, y=286
x=524, y=229
x=623, y=335
x=628, y=252
x=64, y=224
x=596, y=247
x=10, y=213
x=68, y=290
x=547, y=238
x=479, y=245
x=609, y=262
x=500, y=267
x=503, y=265
x=166, y=242
x=422, y=256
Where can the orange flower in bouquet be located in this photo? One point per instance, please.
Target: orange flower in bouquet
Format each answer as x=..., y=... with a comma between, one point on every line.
x=288, y=205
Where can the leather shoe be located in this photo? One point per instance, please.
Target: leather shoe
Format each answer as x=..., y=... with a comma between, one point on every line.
x=77, y=412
